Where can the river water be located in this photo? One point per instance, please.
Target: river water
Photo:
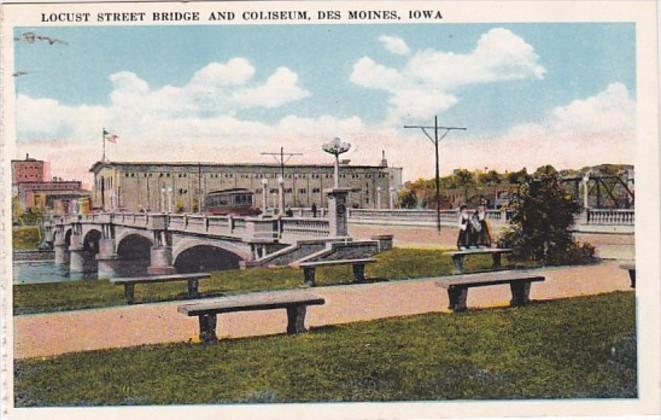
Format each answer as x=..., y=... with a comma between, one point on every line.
x=28, y=272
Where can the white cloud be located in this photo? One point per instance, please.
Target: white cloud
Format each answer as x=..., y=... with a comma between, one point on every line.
x=427, y=81
x=216, y=88
x=367, y=73
x=394, y=44
x=281, y=87
x=598, y=129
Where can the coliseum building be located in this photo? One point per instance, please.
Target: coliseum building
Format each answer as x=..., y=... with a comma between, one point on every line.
x=180, y=186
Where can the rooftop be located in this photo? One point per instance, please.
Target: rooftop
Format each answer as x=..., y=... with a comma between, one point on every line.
x=98, y=165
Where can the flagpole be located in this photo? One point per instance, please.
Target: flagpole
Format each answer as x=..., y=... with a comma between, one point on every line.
x=103, y=136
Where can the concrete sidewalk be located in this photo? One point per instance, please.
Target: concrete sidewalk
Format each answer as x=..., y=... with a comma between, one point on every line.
x=122, y=326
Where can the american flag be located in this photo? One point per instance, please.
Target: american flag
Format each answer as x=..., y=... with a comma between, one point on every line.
x=110, y=137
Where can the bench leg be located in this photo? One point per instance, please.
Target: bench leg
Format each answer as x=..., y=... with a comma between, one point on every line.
x=208, y=328
x=308, y=273
x=496, y=259
x=457, y=295
x=129, y=292
x=296, y=319
x=458, y=261
x=632, y=276
x=193, y=291
x=359, y=272
x=520, y=293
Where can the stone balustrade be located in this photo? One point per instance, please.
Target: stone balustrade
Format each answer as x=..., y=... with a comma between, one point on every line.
x=304, y=226
x=622, y=217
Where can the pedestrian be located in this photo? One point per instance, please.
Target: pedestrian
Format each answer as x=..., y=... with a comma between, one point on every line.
x=464, y=228
x=314, y=210
x=289, y=212
x=484, y=238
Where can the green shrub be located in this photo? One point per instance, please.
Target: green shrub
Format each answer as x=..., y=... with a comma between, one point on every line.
x=26, y=237
x=542, y=214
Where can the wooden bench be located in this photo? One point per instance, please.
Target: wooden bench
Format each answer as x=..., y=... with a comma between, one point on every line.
x=459, y=256
x=358, y=268
x=458, y=286
x=295, y=302
x=632, y=272
x=130, y=282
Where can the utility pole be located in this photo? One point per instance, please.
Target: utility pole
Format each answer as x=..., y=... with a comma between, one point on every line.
x=435, y=140
x=280, y=158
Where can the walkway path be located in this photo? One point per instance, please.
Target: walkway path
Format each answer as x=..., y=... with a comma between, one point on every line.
x=122, y=326
x=608, y=245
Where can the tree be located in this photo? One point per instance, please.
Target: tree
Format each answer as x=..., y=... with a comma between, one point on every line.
x=489, y=178
x=407, y=199
x=465, y=180
x=518, y=177
x=541, y=220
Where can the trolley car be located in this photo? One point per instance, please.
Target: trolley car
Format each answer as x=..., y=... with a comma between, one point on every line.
x=235, y=201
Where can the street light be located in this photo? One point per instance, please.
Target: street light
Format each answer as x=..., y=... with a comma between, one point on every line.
x=336, y=148
x=281, y=195
x=265, y=185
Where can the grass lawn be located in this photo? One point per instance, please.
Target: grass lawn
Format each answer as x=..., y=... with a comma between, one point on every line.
x=571, y=348
x=395, y=264
x=25, y=237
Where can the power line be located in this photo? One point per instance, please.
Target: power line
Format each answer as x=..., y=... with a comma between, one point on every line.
x=280, y=158
x=435, y=140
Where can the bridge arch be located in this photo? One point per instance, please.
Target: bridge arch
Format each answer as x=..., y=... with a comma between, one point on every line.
x=134, y=251
x=67, y=237
x=124, y=233
x=91, y=241
x=195, y=255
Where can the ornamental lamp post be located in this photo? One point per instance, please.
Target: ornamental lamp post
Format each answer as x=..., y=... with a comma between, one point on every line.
x=265, y=185
x=336, y=148
x=586, y=179
x=281, y=195
x=337, y=197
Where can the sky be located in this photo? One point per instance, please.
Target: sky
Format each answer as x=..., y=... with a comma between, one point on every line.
x=528, y=94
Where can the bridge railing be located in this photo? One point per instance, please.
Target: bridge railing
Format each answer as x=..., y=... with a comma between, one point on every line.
x=420, y=215
x=304, y=226
x=624, y=217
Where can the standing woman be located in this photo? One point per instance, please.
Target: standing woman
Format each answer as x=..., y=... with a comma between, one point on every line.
x=485, y=235
x=464, y=228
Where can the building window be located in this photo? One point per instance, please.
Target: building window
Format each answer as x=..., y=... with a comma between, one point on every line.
x=316, y=190
x=302, y=190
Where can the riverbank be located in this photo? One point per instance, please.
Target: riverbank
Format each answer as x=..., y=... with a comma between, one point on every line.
x=396, y=264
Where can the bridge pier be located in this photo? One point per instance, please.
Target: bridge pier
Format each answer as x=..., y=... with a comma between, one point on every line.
x=61, y=252
x=161, y=260
x=76, y=251
x=161, y=254
x=107, y=259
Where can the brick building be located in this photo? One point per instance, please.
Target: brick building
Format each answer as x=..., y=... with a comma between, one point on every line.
x=27, y=170
x=157, y=186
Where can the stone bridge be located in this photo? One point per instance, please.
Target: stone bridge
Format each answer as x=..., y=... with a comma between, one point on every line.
x=158, y=243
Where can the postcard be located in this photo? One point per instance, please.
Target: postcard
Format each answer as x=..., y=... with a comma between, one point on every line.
x=330, y=209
